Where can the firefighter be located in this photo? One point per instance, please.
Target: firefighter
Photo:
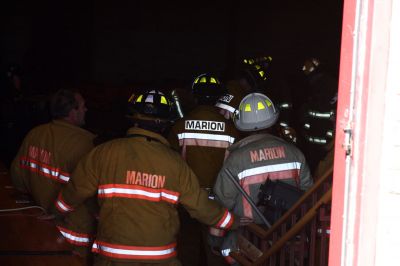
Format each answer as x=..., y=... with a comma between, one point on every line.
x=265, y=61
x=50, y=152
x=262, y=76
x=255, y=159
x=318, y=113
x=325, y=163
x=256, y=71
x=139, y=180
x=202, y=137
x=46, y=159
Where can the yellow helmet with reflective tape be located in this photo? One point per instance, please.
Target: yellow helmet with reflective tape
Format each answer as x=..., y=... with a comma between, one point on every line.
x=255, y=73
x=256, y=111
x=150, y=105
x=258, y=72
x=265, y=61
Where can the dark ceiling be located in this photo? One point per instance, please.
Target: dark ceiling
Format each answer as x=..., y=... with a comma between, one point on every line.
x=118, y=43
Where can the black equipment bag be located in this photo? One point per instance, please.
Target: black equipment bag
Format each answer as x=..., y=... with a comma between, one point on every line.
x=277, y=197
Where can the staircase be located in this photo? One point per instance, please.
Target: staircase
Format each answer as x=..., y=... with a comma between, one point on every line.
x=299, y=237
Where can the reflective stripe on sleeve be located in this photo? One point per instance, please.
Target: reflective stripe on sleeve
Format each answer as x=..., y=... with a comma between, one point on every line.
x=44, y=170
x=283, y=124
x=322, y=115
x=316, y=140
x=62, y=206
x=226, y=221
x=285, y=105
x=64, y=178
x=75, y=238
x=138, y=192
x=134, y=252
x=225, y=253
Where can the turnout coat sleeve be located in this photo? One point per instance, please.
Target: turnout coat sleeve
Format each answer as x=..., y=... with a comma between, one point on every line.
x=196, y=202
x=79, y=189
x=227, y=193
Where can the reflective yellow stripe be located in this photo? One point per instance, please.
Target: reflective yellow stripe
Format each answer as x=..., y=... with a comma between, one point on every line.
x=260, y=106
x=131, y=98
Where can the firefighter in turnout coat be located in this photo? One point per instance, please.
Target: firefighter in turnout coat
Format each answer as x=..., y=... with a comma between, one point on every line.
x=47, y=157
x=255, y=159
x=139, y=181
x=202, y=137
x=318, y=113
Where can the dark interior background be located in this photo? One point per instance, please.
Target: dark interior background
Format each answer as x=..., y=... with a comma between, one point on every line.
x=108, y=49
x=122, y=43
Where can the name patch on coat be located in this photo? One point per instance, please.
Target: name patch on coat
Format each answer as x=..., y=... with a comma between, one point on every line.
x=39, y=154
x=145, y=179
x=204, y=125
x=267, y=154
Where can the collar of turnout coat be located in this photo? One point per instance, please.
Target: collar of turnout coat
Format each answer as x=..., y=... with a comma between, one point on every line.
x=147, y=133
